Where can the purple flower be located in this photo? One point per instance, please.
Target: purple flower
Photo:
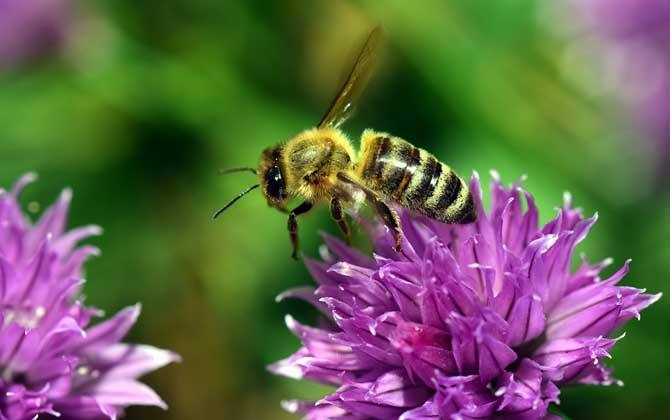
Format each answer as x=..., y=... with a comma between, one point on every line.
x=30, y=29
x=470, y=321
x=52, y=361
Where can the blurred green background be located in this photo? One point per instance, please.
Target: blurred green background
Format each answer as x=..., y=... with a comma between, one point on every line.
x=142, y=102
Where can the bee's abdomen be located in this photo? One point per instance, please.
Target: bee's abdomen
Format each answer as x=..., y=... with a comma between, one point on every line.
x=415, y=179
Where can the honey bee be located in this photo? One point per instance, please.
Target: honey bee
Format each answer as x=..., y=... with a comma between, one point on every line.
x=320, y=165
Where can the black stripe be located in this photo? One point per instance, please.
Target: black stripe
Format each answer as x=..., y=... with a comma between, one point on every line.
x=452, y=187
x=416, y=197
x=395, y=164
x=373, y=158
x=382, y=153
x=431, y=210
x=435, y=180
x=467, y=213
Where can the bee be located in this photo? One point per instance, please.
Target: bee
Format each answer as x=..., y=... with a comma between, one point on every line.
x=320, y=165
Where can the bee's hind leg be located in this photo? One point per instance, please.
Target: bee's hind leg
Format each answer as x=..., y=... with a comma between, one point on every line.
x=388, y=215
x=338, y=216
x=293, y=225
x=391, y=220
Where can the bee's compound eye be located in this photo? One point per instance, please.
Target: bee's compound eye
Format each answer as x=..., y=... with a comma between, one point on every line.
x=274, y=184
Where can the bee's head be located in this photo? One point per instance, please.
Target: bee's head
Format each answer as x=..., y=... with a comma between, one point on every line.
x=272, y=179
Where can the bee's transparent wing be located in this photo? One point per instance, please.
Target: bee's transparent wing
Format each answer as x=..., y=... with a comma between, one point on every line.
x=342, y=106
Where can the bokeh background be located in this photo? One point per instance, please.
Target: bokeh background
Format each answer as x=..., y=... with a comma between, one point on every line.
x=137, y=104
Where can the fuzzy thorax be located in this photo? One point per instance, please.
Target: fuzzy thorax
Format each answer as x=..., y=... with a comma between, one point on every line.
x=311, y=161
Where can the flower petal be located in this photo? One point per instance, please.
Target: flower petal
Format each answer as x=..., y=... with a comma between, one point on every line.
x=112, y=330
x=84, y=407
x=395, y=389
x=477, y=349
x=122, y=392
x=527, y=320
x=572, y=355
x=131, y=360
x=425, y=350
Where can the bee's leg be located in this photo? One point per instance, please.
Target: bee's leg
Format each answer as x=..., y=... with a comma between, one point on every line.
x=388, y=215
x=293, y=225
x=390, y=218
x=338, y=216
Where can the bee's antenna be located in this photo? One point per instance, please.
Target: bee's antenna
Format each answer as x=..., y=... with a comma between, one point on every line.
x=242, y=194
x=237, y=169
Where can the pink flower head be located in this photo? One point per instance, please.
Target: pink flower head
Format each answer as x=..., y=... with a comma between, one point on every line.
x=485, y=320
x=52, y=361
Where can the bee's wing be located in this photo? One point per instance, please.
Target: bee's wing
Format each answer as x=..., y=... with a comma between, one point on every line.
x=341, y=107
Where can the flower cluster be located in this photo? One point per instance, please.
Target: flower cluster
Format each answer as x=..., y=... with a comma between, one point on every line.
x=477, y=321
x=52, y=361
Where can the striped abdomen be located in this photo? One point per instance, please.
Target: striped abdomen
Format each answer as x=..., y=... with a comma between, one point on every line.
x=414, y=178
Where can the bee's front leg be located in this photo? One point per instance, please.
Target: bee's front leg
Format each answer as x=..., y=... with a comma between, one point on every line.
x=293, y=225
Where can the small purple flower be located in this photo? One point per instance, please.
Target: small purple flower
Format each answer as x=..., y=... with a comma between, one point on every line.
x=53, y=363
x=473, y=321
x=30, y=29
